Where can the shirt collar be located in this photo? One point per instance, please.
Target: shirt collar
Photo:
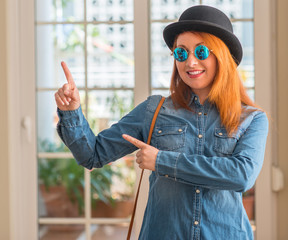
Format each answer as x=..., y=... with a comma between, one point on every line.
x=194, y=101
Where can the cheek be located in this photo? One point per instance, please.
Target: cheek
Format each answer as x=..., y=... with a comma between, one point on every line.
x=180, y=67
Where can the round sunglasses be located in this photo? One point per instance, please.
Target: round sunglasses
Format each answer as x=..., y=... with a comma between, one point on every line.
x=201, y=52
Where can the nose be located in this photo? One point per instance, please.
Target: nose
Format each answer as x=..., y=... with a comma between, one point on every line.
x=191, y=60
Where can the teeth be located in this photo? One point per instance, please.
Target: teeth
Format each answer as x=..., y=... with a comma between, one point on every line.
x=195, y=72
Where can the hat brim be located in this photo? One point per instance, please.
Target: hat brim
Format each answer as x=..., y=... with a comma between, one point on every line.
x=232, y=42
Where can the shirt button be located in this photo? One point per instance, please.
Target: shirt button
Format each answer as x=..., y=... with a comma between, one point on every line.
x=199, y=113
x=180, y=130
x=196, y=222
x=197, y=191
x=196, y=98
x=200, y=135
x=220, y=134
x=159, y=131
x=166, y=175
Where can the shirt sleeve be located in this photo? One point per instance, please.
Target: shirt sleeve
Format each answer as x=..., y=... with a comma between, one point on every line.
x=237, y=172
x=93, y=151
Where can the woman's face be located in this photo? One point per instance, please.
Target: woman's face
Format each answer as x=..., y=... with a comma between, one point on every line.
x=197, y=74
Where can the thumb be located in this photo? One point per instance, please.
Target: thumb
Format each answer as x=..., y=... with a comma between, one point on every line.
x=70, y=92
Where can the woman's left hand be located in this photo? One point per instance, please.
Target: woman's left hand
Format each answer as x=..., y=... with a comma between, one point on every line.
x=146, y=156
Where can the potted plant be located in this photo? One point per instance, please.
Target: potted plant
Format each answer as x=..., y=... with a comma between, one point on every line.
x=248, y=203
x=62, y=185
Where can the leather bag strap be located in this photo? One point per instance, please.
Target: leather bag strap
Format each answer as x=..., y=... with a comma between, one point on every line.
x=138, y=189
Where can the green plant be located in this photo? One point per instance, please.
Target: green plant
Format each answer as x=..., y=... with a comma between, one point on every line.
x=67, y=173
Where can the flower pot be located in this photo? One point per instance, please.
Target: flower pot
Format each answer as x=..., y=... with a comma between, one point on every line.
x=248, y=202
x=120, y=209
x=57, y=202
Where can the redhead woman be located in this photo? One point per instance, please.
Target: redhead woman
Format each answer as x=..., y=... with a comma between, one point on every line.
x=208, y=144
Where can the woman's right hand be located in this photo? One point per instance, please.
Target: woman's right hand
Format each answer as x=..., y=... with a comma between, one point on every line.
x=67, y=97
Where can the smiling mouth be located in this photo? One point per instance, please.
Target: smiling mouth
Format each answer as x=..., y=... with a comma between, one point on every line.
x=195, y=73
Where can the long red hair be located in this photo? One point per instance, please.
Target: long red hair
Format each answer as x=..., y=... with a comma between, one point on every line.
x=227, y=93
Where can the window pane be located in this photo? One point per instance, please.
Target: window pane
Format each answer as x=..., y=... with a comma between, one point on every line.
x=165, y=9
x=251, y=94
x=109, y=10
x=162, y=61
x=164, y=93
x=56, y=43
x=47, y=119
x=107, y=107
x=59, y=232
x=233, y=8
x=61, y=188
x=245, y=32
x=112, y=189
x=59, y=10
x=110, y=55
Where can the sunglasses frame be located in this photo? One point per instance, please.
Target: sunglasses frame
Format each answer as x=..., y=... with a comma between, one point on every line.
x=188, y=52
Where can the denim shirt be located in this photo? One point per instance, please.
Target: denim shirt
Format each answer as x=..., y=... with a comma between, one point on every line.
x=200, y=172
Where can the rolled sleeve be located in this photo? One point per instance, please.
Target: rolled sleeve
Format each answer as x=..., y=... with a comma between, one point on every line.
x=166, y=164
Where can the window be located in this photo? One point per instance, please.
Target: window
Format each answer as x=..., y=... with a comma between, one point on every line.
x=95, y=39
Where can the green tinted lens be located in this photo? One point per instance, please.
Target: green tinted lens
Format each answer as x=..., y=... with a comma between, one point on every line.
x=201, y=52
x=180, y=54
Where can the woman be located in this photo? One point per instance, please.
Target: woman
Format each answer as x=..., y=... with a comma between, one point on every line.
x=208, y=142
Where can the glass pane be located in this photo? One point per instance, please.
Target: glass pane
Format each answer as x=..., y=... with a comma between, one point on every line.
x=251, y=94
x=109, y=10
x=107, y=107
x=61, y=232
x=112, y=185
x=161, y=59
x=47, y=120
x=233, y=8
x=165, y=9
x=61, y=188
x=245, y=32
x=56, y=43
x=110, y=232
x=110, y=55
x=59, y=10
x=112, y=189
x=164, y=93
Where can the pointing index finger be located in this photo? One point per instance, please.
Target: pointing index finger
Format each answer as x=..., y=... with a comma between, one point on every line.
x=134, y=141
x=68, y=74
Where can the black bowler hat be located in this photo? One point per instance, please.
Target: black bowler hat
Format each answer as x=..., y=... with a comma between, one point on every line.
x=207, y=19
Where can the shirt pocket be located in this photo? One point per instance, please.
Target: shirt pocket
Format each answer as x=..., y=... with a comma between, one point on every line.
x=170, y=137
x=224, y=143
